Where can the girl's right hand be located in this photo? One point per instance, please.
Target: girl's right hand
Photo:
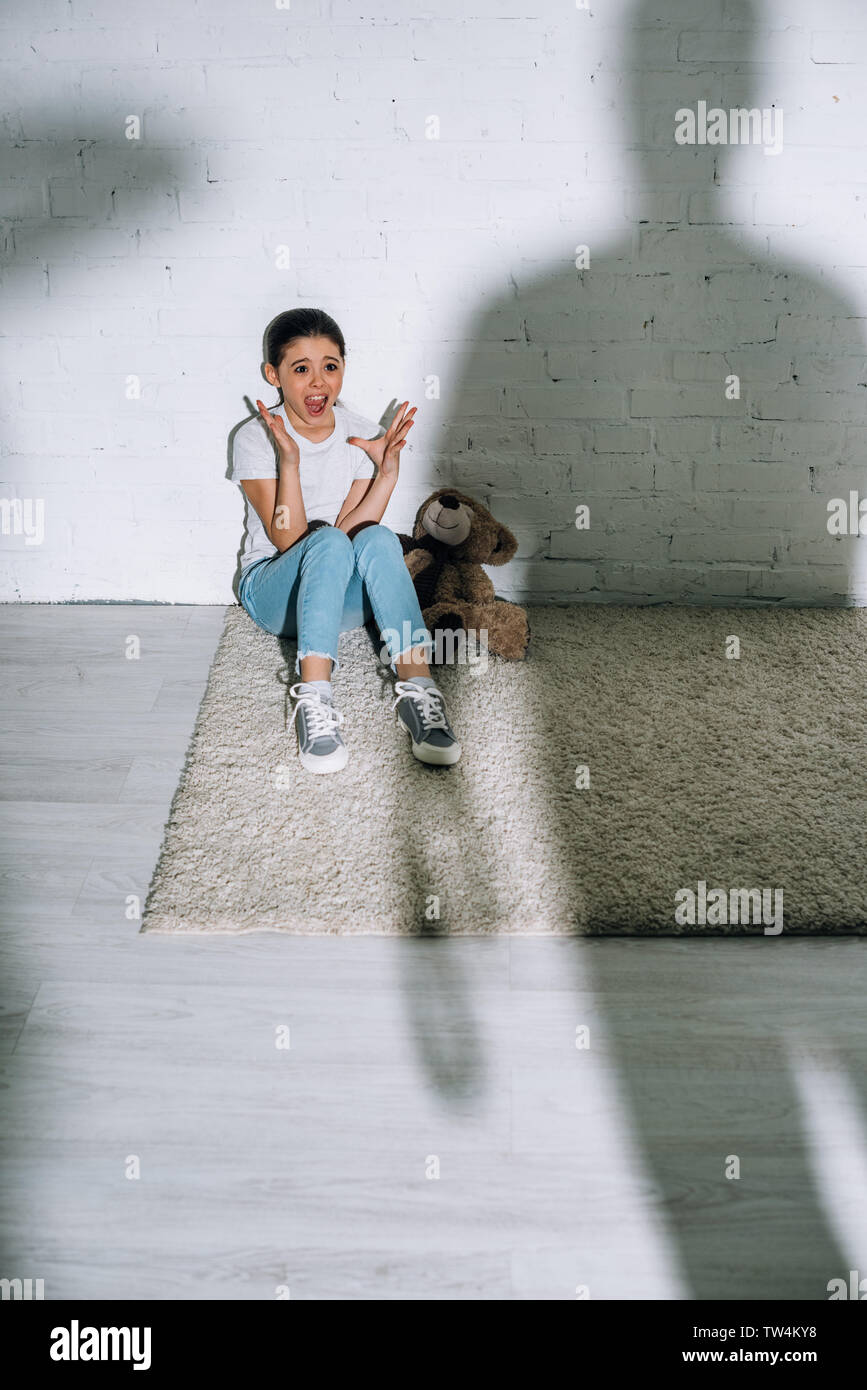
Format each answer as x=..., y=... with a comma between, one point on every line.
x=287, y=447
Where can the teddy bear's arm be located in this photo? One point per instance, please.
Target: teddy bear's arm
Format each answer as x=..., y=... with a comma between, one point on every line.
x=464, y=582
x=417, y=561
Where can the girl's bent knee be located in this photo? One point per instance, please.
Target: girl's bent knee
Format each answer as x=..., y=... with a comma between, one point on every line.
x=378, y=537
x=331, y=542
x=330, y=536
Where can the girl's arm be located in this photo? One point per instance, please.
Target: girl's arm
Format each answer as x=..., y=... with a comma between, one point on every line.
x=366, y=501
x=273, y=501
x=278, y=501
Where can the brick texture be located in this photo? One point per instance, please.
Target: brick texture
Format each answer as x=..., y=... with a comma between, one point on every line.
x=700, y=382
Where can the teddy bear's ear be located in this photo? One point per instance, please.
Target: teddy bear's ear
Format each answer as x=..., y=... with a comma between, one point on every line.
x=505, y=547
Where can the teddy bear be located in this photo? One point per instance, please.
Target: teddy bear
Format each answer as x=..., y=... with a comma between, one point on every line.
x=453, y=537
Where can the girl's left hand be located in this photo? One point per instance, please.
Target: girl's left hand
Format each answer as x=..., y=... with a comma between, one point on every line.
x=385, y=451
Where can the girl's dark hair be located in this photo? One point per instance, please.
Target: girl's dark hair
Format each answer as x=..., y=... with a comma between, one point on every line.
x=299, y=323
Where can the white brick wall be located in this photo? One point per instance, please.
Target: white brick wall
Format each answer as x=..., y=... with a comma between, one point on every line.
x=451, y=258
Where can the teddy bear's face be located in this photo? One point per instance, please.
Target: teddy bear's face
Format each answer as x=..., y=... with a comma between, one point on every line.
x=447, y=520
x=466, y=527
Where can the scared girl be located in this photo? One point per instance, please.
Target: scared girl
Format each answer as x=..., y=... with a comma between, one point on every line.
x=317, y=560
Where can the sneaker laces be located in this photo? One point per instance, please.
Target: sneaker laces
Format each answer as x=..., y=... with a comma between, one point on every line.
x=323, y=719
x=428, y=701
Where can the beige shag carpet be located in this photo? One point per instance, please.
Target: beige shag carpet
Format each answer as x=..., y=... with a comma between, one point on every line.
x=704, y=775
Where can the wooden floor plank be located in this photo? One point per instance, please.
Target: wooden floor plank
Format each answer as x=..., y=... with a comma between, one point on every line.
x=559, y=1165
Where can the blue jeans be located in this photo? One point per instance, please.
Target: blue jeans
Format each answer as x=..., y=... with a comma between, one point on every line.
x=326, y=584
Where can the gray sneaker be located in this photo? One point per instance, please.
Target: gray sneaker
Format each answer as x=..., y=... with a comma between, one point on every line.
x=421, y=709
x=320, y=747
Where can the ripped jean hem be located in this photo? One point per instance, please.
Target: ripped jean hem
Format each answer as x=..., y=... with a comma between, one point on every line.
x=301, y=655
x=426, y=646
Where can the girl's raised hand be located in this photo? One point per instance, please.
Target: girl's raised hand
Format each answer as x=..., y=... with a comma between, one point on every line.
x=286, y=445
x=385, y=451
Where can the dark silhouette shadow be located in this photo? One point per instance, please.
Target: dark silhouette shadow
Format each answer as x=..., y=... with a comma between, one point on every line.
x=109, y=199
x=701, y=1044
x=615, y=378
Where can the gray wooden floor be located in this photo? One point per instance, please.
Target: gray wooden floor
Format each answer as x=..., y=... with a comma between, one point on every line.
x=432, y=1131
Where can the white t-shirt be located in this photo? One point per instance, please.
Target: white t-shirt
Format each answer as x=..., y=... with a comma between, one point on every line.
x=326, y=472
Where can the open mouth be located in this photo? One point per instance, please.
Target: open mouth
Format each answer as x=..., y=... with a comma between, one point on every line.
x=315, y=405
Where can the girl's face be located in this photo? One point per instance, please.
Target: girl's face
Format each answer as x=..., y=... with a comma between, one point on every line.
x=310, y=376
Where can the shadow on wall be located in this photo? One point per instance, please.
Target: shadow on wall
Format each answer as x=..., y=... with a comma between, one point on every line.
x=105, y=193
x=88, y=215
x=610, y=392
